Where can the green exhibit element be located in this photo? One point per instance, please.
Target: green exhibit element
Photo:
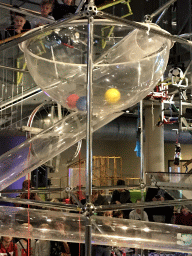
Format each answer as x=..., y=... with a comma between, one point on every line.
x=43, y=196
x=104, y=42
x=174, y=108
x=115, y=3
x=136, y=194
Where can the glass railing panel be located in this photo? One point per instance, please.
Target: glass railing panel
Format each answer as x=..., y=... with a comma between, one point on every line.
x=169, y=177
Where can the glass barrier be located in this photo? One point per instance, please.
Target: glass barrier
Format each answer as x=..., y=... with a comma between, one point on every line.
x=178, y=185
x=169, y=178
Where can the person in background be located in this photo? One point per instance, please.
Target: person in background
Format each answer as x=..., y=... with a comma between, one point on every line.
x=60, y=248
x=119, y=251
x=27, y=246
x=137, y=214
x=184, y=217
x=55, y=200
x=103, y=250
x=46, y=9
x=121, y=196
x=61, y=10
x=159, y=214
x=118, y=214
x=96, y=199
x=26, y=26
x=16, y=28
x=7, y=247
x=25, y=195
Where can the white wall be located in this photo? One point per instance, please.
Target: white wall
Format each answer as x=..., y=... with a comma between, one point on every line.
x=125, y=149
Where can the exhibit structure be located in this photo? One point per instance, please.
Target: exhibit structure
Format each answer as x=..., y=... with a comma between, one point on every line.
x=96, y=83
x=124, y=72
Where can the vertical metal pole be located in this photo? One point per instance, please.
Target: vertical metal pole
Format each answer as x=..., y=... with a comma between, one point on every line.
x=141, y=155
x=180, y=110
x=141, y=161
x=89, y=133
x=141, y=141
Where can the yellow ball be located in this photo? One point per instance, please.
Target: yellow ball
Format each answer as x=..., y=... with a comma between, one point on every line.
x=112, y=95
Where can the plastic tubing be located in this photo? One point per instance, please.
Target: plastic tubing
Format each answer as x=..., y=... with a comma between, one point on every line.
x=69, y=227
x=24, y=158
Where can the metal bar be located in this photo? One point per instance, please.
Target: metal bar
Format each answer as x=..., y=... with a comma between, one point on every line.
x=89, y=111
x=152, y=204
x=185, y=73
x=40, y=30
x=76, y=200
x=180, y=110
x=141, y=161
x=17, y=99
x=144, y=27
x=14, y=69
x=89, y=135
x=25, y=12
x=82, y=2
x=161, y=16
x=171, y=186
x=166, y=5
x=40, y=191
x=141, y=142
x=59, y=206
x=88, y=229
x=110, y=187
x=186, y=35
x=183, y=25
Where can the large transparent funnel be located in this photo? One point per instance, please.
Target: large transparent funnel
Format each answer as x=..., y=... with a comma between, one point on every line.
x=60, y=226
x=131, y=62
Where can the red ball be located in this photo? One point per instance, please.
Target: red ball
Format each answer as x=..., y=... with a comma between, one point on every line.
x=72, y=100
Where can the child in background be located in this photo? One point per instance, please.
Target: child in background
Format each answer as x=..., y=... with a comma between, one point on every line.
x=26, y=26
x=16, y=28
x=137, y=214
x=46, y=9
x=7, y=247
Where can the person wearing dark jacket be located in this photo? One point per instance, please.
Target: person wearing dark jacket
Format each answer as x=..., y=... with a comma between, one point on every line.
x=61, y=10
x=121, y=196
